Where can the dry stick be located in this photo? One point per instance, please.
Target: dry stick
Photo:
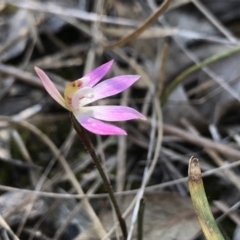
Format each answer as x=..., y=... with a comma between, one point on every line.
x=89, y=146
x=125, y=214
x=24, y=76
x=202, y=141
x=5, y=225
x=125, y=193
x=211, y=94
x=149, y=21
x=69, y=12
x=149, y=169
x=26, y=155
x=158, y=32
x=74, y=212
x=218, y=79
x=224, y=208
x=19, y=163
x=157, y=104
x=229, y=211
x=39, y=185
x=214, y=20
x=62, y=160
x=150, y=33
x=232, y=177
x=217, y=159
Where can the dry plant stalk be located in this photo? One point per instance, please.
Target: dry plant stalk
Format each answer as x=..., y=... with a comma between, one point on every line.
x=200, y=202
x=150, y=20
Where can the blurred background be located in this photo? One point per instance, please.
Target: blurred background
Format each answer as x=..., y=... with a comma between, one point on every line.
x=188, y=59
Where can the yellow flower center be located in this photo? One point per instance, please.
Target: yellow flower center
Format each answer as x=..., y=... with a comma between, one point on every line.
x=75, y=91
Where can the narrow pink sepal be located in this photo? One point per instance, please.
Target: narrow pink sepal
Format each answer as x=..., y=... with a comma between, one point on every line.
x=112, y=113
x=50, y=87
x=110, y=87
x=98, y=73
x=98, y=127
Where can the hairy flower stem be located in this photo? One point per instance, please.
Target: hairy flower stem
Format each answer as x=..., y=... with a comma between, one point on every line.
x=90, y=148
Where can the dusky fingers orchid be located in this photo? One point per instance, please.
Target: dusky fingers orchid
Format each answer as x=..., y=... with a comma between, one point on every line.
x=85, y=90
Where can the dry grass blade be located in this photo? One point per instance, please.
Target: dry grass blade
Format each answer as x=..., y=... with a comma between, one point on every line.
x=202, y=141
x=228, y=211
x=152, y=32
x=225, y=209
x=143, y=27
x=20, y=163
x=214, y=20
x=186, y=46
x=199, y=65
x=66, y=167
x=24, y=76
x=230, y=175
x=5, y=225
x=69, y=12
x=104, y=195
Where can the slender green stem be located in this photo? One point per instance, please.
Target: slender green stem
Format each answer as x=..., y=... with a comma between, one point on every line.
x=196, y=67
x=140, y=220
x=90, y=148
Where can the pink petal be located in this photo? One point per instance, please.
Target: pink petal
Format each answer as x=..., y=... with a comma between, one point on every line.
x=98, y=127
x=50, y=87
x=98, y=73
x=112, y=113
x=110, y=87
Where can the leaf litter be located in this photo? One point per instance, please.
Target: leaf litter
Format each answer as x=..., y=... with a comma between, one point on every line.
x=199, y=117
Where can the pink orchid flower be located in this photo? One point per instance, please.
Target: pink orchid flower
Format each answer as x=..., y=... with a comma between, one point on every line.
x=85, y=90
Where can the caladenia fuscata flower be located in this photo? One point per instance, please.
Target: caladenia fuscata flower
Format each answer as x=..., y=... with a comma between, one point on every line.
x=78, y=94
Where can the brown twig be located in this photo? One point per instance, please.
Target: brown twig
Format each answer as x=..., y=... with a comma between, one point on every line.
x=150, y=20
x=202, y=141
